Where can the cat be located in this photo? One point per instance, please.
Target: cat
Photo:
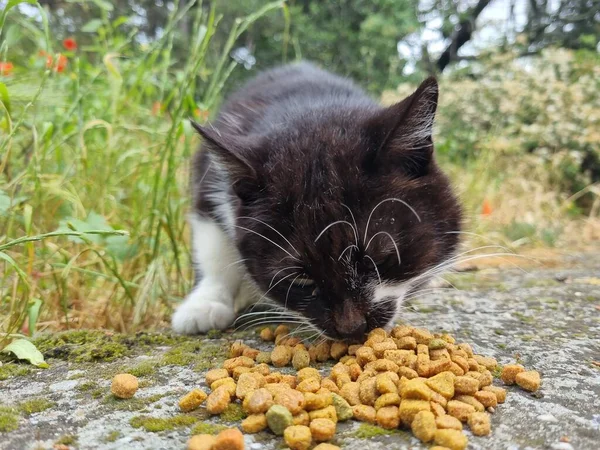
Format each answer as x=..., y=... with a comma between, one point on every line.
x=309, y=194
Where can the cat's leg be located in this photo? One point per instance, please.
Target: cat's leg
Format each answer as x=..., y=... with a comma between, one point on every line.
x=212, y=302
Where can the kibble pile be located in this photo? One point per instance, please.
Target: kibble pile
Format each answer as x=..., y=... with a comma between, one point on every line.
x=409, y=378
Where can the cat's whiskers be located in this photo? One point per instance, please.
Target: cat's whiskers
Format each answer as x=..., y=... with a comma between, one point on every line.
x=235, y=263
x=266, y=224
x=335, y=223
x=281, y=270
x=344, y=251
x=287, y=295
x=376, y=269
x=391, y=239
x=267, y=239
x=391, y=199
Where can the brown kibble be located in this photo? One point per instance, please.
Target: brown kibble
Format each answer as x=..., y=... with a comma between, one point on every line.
x=308, y=372
x=439, y=353
x=317, y=401
x=368, y=391
x=406, y=343
x=231, y=439
x=437, y=398
x=218, y=400
x=310, y=385
x=443, y=384
x=247, y=383
x=267, y=335
x=467, y=349
x=415, y=389
x=377, y=333
x=328, y=384
x=338, y=349
x=365, y=355
x=385, y=384
x=389, y=399
x=351, y=393
x=452, y=439
x=281, y=356
x=124, y=385
x=237, y=371
x=273, y=377
x=239, y=361
x=250, y=352
x=470, y=400
x=437, y=409
x=400, y=331
x=461, y=362
x=473, y=365
x=479, y=422
x=302, y=418
x=409, y=409
x=498, y=391
x=322, y=429
x=236, y=349
x=201, y=442
x=423, y=426
x=448, y=422
x=380, y=348
x=487, y=399
x=439, y=366
x=382, y=365
x=281, y=330
x=364, y=413
x=387, y=417
x=460, y=410
x=228, y=383
x=325, y=446
x=352, y=349
x=355, y=371
x=298, y=437
x=325, y=413
x=530, y=381
x=323, y=349
x=486, y=378
x=510, y=372
x=254, y=423
x=438, y=447
x=422, y=336
x=293, y=342
x=456, y=369
x=407, y=372
x=214, y=375
x=290, y=399
x=290, y=380
x=192, y=400
x=301, y=359
x=466, y=385
x=259, y=401
x=486, y=361
x=437, y=344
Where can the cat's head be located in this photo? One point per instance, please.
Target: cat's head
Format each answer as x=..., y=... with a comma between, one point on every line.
x=343, y=212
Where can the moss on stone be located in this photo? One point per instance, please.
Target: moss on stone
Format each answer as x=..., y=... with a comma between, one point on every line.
x=84, y=345
x=214, y=334
x=35, y=405
x=368, y=431
x=143, y=369
x=67, y=439
x=233, y=413
x=87, y=386
x=157, y=424
x=97, y=393
x=9, y=420
x=13, y=370
x=130, y=404
x=208, y=428
x=112, y=436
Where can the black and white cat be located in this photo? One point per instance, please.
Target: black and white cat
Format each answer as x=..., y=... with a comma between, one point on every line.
x=308, y=193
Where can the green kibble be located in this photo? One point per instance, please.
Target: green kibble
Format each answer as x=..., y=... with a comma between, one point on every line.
x=278, y=419
x=343, y=409
x=263, y=358
x=437, y=344
x=301, y=359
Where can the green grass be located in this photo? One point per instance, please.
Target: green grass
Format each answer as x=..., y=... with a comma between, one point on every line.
x=94, y=164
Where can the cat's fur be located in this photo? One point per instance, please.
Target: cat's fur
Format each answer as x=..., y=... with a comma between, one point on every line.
x=308, y=193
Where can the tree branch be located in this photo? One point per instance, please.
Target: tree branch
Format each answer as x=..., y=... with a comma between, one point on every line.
x=461, y=36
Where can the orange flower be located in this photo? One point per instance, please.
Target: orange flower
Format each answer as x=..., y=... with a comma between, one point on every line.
x=156, y=107
x=202, y=114
x=61, y=63
x=49, y=60
x=6, y=68
x=486, y=208
x=70, y=44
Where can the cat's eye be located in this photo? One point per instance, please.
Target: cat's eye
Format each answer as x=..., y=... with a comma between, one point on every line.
x=303, y=282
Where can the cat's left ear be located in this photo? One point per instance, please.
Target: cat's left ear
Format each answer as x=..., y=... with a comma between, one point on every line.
x=402, y=133
x=235, y=154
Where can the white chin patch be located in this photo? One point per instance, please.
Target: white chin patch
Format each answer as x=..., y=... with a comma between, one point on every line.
x=388, y=291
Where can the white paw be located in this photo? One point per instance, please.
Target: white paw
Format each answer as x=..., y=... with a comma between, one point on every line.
x=203, y=311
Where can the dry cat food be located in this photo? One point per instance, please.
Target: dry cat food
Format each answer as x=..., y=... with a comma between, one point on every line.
x=407, y=378
x=124, y=385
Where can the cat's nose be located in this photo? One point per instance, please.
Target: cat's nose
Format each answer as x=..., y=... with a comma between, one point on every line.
x=349, y=321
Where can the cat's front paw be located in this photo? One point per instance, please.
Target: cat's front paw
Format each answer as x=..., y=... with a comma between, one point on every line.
x=199, y=314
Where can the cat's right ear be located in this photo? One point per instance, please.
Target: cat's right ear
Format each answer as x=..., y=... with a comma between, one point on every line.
x=232, y=154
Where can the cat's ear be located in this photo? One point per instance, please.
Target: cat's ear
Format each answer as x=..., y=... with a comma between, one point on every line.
x=402, y=133
x=233, y=154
